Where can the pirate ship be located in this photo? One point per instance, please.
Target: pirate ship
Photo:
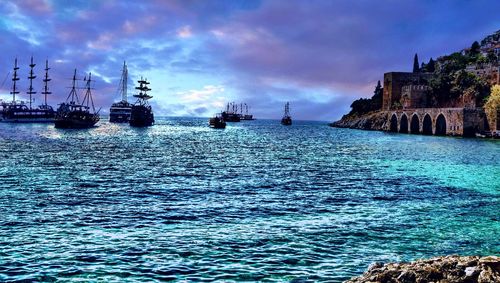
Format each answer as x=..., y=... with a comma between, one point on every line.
x=18, y=111
x=141, y=114
x=287, y=119
x=75, y=115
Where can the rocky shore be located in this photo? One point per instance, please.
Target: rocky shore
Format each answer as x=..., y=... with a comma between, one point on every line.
x=447, y=269
x=370, y=121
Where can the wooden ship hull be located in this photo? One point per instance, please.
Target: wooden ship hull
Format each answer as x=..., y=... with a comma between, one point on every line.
x=25, y=115
x=287, y=121
x=217, y=123
x=231, y=117
x=76, y=120
x=141, y=116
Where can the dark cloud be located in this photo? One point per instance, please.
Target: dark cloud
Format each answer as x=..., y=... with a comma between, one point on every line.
x=318, y=54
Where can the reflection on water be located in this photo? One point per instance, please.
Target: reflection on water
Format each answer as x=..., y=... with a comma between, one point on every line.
x=254, y=201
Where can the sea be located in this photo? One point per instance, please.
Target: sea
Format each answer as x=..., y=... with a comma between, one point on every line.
x=256, y=201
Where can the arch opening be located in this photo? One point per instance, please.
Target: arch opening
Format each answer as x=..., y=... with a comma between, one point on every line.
x=427, y=125
x=440, y=125
x=403, y=127
x=394, y=124
x=415, y=124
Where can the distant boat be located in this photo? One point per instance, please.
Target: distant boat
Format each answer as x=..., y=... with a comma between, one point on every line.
x=231, y=115
x=120, y=111
x=287, y=119
x=72, y=114
x=19, y=112
x=246, y=116
x=142, y=114
x=217, y=122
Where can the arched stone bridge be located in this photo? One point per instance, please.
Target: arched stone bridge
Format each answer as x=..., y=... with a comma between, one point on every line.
x=436, y=121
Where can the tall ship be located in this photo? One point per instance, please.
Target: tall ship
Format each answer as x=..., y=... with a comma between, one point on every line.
x=287, y=119
x=245, y=116
x=141, y=114
x=231, y=113
x=120, y=111
x=75, y=115
x=20, y=112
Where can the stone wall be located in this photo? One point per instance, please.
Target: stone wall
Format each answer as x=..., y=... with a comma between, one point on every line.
x=394, y=82
x=475, y=121
x=437, y=121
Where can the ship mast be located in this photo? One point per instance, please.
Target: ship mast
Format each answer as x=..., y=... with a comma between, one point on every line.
x=15, y=78
x=46, y=80
x=31, y=77
x=72, y=94
x=88, y=94
x=287, y=109
x=143, y=89
x=124, y=82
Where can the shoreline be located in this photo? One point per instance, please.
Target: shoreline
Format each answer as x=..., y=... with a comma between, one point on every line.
x=449, y=269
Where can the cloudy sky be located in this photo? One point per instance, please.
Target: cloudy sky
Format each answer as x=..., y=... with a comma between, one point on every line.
x=200, y=54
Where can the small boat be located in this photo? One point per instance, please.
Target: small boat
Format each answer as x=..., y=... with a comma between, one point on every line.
x=217, y=122
x=72, y=114
x=120, y=111
x=141, y=114
x=19, y=112
x=287, y=119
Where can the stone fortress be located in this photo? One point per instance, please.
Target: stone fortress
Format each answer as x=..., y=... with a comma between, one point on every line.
x=408, y=111
x=406, y=103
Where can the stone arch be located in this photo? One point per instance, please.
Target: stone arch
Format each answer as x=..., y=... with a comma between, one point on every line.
x=394, y=124
x=440, y=125
x=414, y=124
x=427, y=125
x=403, y=124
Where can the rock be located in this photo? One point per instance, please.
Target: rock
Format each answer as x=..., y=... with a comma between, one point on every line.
x=492, y=261
x=371, y=121
x=471, y=271
x=446, y=269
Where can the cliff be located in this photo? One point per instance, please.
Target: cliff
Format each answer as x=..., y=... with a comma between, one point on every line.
x=449, y=269
x=375, y=120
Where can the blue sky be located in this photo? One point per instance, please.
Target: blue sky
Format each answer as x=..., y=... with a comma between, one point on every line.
x=320, y=55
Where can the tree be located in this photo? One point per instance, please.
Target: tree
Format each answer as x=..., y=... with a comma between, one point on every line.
x=474, y=49
x=364, y=105
x=431, y=66
x=491, y=57
x=415, y=64
x=377, y=97
x=492, y=106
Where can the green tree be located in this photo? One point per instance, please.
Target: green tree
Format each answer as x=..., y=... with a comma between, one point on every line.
x=431, y=66
x=491, y=57
x=474, y=49
x=492, y=106
x=364, y=105
x=415, y=64
x=377, y=97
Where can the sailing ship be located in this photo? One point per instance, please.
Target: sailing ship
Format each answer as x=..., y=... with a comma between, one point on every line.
x=120, y=111
x=245, y=116
x=141, y=114
x=287, y=119
x=231, y=115
x=75, y=115
x=217, y=122
x=18, y=111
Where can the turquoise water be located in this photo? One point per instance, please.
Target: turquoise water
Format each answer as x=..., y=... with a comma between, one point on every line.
x=256, y=201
